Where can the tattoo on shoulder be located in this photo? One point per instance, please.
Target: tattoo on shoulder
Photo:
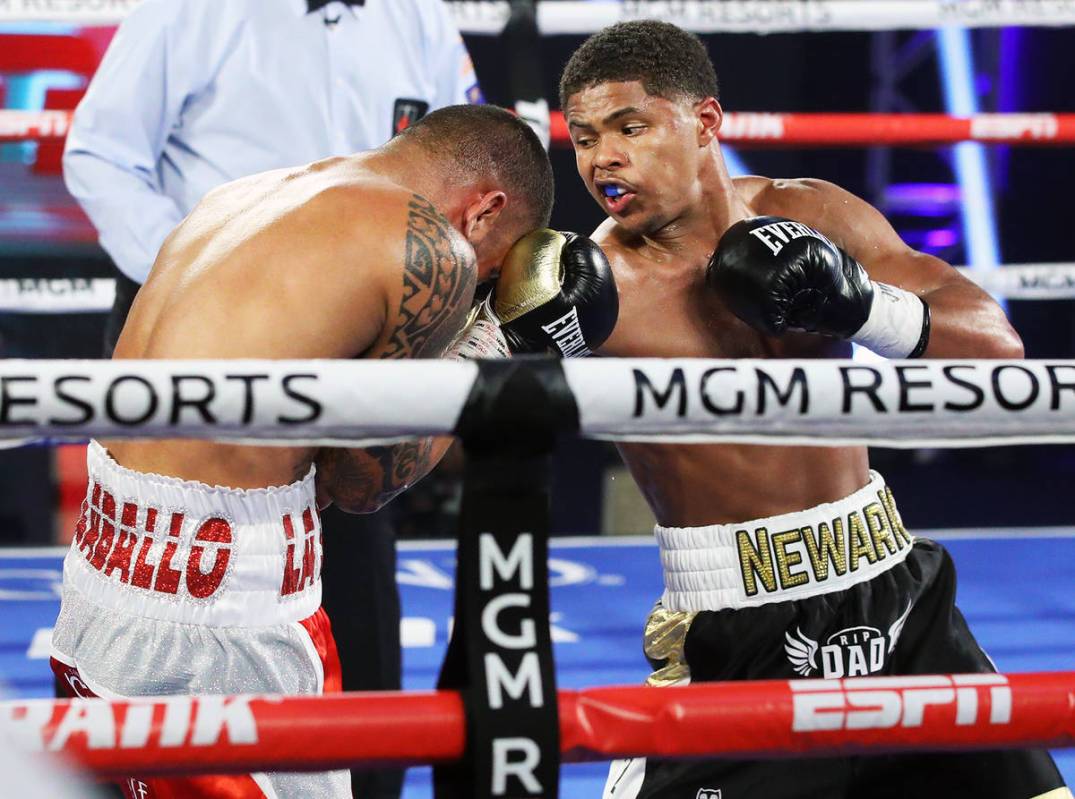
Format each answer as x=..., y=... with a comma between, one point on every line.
x=439, y=275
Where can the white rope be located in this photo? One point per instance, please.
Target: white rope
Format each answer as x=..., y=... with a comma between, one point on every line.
x=313, y=402
x=1027, y=281
x=701, y=16
x=56, y=295
x=897, y=403
x=900, y=404
x=90, y=295
x=771, y=16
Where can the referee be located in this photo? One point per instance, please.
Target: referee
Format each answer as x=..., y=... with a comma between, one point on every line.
x=195, y=93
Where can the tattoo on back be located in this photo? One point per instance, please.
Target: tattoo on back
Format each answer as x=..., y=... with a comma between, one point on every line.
x=438, y=283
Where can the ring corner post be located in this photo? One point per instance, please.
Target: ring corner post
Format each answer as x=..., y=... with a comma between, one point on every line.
x=500, y=653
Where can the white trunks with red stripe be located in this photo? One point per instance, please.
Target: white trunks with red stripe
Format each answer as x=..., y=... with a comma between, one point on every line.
x=177, y=587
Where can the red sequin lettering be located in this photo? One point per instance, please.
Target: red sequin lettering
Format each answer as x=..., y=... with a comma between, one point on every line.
x=168, y=578
x=83, y=523
x=94, y=530
x=309, y=562
x=108, y=531
x=202, y=585
x=290, y=583
x=143, y=572
x=120, y=557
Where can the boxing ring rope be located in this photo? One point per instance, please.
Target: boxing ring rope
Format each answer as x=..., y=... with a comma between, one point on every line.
x=755, y=129
x=44, y=295
x=701, y=16
x=899, y=404
x=750, y=128
x=903, y=404
x=501, y=409
x=1017, y=281
x=756, y=719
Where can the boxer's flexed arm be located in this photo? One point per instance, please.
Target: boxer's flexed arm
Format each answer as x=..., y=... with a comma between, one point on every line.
x=955, y=318
x=428, y=306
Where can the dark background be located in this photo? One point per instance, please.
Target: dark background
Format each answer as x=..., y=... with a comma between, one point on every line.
x=785, y=72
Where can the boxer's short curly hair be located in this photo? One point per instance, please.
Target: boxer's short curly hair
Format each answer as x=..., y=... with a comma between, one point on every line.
x=668, y=61
x=487, y=140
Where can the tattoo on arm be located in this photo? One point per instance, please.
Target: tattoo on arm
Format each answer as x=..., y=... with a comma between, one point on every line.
x=363, y=480
x=439, y=275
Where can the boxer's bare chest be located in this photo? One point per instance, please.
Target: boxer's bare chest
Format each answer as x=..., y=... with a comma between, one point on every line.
x=666, y=311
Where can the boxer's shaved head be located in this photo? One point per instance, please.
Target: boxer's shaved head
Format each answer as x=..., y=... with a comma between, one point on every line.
x=669, y=62
x=483, y=140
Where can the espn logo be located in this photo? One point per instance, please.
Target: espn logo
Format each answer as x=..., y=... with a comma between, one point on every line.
x=1014, y=126
x=876, y=703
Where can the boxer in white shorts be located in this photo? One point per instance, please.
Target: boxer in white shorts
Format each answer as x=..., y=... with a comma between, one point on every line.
x=176, y=584
x=174, y=587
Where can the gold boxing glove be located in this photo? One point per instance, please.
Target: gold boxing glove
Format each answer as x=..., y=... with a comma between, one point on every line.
x=556, y=294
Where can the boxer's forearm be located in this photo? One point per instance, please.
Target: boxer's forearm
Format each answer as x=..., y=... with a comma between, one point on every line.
x=966, y=323
x=365, y=480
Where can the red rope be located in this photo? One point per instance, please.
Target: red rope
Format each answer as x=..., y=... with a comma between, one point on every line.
x=740, y=719
x=750, y=128
x=826, y=130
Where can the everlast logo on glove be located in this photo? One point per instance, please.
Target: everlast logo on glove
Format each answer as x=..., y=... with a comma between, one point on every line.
x=776, y=235
x=567, y=335
x=556, y=294
x=406, y=112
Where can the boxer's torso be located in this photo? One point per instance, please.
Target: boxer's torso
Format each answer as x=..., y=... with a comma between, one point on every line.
x=666, y=311
x=289, y=264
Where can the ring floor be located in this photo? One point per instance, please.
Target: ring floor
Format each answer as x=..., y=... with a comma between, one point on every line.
x=1014, y=587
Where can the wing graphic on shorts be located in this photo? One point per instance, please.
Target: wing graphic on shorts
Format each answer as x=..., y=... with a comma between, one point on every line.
x=801, y=652
x=897, y=627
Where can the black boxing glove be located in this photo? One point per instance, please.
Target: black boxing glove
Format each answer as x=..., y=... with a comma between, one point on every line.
x=556, y=294
x=778, y=275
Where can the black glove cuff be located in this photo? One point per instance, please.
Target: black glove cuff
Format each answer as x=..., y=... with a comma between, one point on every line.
x=923, y=339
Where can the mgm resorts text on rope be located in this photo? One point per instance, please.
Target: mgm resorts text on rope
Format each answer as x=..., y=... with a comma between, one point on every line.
x=905, y=388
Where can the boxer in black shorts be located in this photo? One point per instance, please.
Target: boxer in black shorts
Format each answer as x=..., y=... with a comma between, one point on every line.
x=825, y=582
x=819, y=636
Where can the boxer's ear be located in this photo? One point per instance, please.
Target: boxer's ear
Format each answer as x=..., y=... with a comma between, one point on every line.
x=481, y=214
x=710, y=116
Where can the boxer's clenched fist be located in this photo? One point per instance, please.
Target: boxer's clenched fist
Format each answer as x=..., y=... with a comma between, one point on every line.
x=779, y=275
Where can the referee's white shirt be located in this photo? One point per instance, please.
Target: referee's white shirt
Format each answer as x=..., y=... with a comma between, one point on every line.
x=195, y=93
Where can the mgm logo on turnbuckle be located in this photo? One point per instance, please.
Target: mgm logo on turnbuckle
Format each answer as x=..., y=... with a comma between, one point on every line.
x=851, y=652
